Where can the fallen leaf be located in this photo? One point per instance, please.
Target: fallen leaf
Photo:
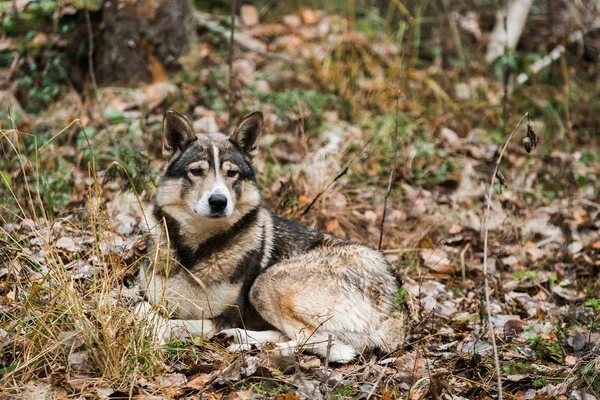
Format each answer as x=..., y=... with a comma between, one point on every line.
x=309, y=16
x=81, y=362
x=249, y=15
x=513, y=327
x=437, y=261
x=288, y=396
x=475, y=347
x=451, y=137
x=199, y=381
x=292, y=21
x=66, y=243
x=571, y=360
x=568, y=294
x=454, y=229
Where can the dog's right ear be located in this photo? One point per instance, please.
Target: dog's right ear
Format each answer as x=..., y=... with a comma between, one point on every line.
x=246, y=133
x=178, y=133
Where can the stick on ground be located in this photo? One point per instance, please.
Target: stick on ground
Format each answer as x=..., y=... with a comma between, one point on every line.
x=486, y=220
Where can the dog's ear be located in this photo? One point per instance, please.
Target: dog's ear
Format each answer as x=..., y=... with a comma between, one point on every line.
x=178, y=133
x=246, y=133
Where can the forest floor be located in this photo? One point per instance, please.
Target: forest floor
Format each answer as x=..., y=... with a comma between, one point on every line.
x=76, y=178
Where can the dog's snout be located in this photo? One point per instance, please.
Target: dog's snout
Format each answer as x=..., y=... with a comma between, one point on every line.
x=217, y=202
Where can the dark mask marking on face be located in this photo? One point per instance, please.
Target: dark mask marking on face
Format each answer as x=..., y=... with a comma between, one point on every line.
x=178, y=167
x=234, y=156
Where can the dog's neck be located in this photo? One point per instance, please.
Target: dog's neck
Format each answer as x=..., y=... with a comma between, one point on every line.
x=194, y=238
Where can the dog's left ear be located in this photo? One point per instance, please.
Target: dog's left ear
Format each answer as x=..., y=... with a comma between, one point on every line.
x=246, y=133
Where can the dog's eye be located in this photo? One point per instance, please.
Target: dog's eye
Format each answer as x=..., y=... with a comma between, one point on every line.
x=232, y=173
x=196, y=171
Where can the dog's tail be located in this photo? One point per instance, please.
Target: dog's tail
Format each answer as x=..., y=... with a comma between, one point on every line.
x=392, y=332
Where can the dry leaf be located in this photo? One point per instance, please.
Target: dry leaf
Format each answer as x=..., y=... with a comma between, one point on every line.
x=66, y=243
x=249, y=15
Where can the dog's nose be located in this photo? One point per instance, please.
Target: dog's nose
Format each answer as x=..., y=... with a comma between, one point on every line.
x=217, y=202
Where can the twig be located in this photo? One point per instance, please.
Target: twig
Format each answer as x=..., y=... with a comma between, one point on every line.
x=485, y=255
x=566, y=91
x=379, y=377
x=392, y=172
x=327, y=354
x=480, y=384
x=337, y=178
x=230, y=59
x=505, y=73
x=462, y=262
x=242, y=40
x=394, y=141
x=88, y=22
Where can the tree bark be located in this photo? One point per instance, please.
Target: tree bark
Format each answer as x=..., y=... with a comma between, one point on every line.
x=516, y=17
x=142, y=40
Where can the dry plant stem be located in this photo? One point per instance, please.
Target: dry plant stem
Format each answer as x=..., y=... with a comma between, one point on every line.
x=327, y=355
x=505, y=74
x=90, y=49
x=394, y=142
x=485, y=255
x=230, y=59
x=566, y=92
x=392, y=174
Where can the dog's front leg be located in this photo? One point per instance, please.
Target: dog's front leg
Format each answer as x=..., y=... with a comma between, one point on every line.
x=164, y=330
x=184, y=328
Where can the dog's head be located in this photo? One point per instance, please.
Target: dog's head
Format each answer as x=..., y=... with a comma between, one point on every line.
x=209, y=176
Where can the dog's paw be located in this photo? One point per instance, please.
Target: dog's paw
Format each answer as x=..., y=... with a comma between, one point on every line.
x=287, y=349
x=342, y=353
x=234, y=335
x=238, y=348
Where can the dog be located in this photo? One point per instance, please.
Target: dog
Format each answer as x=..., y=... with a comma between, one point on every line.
x=224, y=263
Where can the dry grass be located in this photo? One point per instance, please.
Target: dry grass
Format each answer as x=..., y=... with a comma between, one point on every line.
x=51, y=315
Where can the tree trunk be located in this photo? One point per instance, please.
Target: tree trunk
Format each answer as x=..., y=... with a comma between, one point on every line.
x=142, y=40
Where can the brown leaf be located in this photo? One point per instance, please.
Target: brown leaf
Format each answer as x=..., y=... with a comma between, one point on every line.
x=249, y=15
x=158, y=92
x=288, y=396
x=66, y=243
x=568, y=294
x=81, y=362
x=174, y=379
x=513, y=327
x=158, y=70
x=450, y=137
x=245, y=395
x=437, y=261
x=309, y=16
x=292, y=21
x=332, y=225
x=199, y=381
x=454, y=229
x=571, y=360
x=426, y=242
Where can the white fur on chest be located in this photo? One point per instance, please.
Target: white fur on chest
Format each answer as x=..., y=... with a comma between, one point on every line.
x=187, y=298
